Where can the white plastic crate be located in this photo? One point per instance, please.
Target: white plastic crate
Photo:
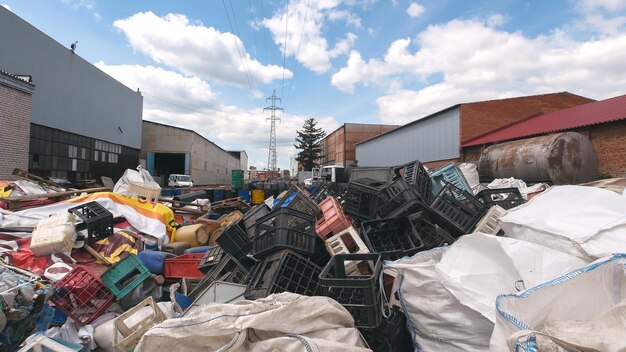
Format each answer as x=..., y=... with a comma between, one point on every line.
x=490, y=223
x=151, y=193
x=347, y=241
x=142, y=317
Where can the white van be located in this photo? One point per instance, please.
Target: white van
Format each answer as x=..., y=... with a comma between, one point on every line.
x=177, y=180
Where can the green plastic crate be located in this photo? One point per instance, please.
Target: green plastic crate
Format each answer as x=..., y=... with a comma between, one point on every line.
x=119, y=278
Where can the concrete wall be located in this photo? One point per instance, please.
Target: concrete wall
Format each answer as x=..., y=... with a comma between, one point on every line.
x=72, y=94
x=15, y=111
x=431, y=139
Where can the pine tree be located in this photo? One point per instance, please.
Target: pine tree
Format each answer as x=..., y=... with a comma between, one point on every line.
x=308, y=142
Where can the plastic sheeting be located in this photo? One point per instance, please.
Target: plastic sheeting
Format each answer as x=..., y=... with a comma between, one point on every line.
x=587, y=222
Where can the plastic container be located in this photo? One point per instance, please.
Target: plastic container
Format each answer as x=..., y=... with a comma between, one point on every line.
x=490, y=223
x=151, y=287
x=391, y=335
x=210, y=258
x=236, y=179
x=234, y=240
x=252, y=216
x=176, y=248
x=124, y=276
x=201, y=249
x=283, y=271
x=449, y=173
x=244, y=194
x=398, y=199
x=330, y=189
x=333, y=221
x=54, y=239
x=154, y=260
x=228, y=269
x=150, y=243
x=184, y=266
x=296, y=199
x=457, y=211
x=258, y=196
x=362, y=197
x=284, y=228
x=82, y=296
x=95, y=219
x=133, y=333
x=196, y=235
x=416, y=175
x=218, y=194
x=359, y=293
x=393, y=238
x=506, y=198
x=150, y=193
x=347, y=242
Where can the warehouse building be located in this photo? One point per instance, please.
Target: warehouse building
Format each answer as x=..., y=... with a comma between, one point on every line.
x=339, y=146
x=174, y=150
x=437, y=138
x=602, y=122
x=84, y=124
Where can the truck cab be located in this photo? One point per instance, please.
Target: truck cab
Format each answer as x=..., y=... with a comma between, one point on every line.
x=179, y=180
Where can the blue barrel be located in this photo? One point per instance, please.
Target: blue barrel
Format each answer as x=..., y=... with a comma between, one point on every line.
x=201, y=249
x=167, y=192
x=154, y=260
x=178, y=191
x=244, y=194
x=218, y=194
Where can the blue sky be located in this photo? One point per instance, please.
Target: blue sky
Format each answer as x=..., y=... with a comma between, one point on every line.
x=371, y=61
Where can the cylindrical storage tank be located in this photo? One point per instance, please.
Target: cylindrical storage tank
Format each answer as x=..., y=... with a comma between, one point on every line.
x=236, y=180
x=258, y=196
x=560, y=158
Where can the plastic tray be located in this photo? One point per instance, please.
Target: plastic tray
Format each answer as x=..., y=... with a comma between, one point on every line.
x=252, y=216
x=457, y=211
x=398, y=199
x=362, y=197
x=210, y=258
x=124, y=276
x=234, y=240
x=95, y=219
x=228, y=269
x=359, y=294
x=506, y=198
x=333, y=221
x=184, y=266
x=393, y=238
x=82, y=296
x=283, y=271
x=284, y=229
x=490, y=223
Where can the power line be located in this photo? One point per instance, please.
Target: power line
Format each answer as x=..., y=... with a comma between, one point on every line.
x=256, y=47
x=242, y=46
x=295, y=62
x=282, y=86
x=237, y=45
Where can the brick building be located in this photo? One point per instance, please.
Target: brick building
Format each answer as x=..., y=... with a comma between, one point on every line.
x=436, y=139
x=15, y=113
x=339, y=146
x=603, y=122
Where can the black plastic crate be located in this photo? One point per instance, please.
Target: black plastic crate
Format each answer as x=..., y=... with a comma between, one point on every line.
x=362, y=197
x=398, y=199
x=416, y=175
x=296, y=199
x=95, y=219
x=234, y=240
x=392, y=238
x=284, y=229
x=330, y=189
x=321, y=256
x=456, y=210
x=507, y=198
x=285, y=271
x=252, y=216
x=391, y=335
x=431, y=234
x=359, y=294
x=228, y=269
x=211, y=258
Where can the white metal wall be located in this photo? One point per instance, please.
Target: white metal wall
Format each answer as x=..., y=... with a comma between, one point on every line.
x=431, y=139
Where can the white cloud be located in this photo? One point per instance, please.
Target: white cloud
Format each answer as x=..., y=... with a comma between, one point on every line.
x=343, y=46
x=6, y=6
x=97, y=16
x=484, y=63
x=606, y=17
x=189, y=102
x=415, y=10
x=194, y=49
x=608, y=5
x=496, y=20
x=307, y=35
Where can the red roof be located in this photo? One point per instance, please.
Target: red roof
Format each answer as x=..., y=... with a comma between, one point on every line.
x=594, y=113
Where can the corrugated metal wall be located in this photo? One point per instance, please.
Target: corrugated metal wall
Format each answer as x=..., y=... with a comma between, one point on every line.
x=70, y=93
x=431, y=139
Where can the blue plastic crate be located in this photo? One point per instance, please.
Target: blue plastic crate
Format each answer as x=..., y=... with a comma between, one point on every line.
x=452, y=174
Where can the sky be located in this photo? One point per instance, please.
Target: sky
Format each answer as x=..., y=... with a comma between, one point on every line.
x=210, y=65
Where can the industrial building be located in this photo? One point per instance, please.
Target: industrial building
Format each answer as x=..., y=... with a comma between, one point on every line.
x=339, y=146
x=84, y=124
x=174, y=150
x=436, y=139
x=602, y=122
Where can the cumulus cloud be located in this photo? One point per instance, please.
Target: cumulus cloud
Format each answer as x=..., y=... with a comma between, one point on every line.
x=195, y=49
x=483, y=63
x=189, y=102
x=415, y=10
x=305, y=25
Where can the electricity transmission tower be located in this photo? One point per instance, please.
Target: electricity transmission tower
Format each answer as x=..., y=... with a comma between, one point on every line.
x=271, y=157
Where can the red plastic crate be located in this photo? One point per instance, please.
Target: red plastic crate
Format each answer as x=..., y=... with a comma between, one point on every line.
x=334, y=219
x=82, y=295
x=184, y=266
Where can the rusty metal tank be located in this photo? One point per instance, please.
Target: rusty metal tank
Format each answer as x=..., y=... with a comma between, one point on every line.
x=560, y=158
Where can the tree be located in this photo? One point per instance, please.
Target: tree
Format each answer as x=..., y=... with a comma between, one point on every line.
x=308, y=142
